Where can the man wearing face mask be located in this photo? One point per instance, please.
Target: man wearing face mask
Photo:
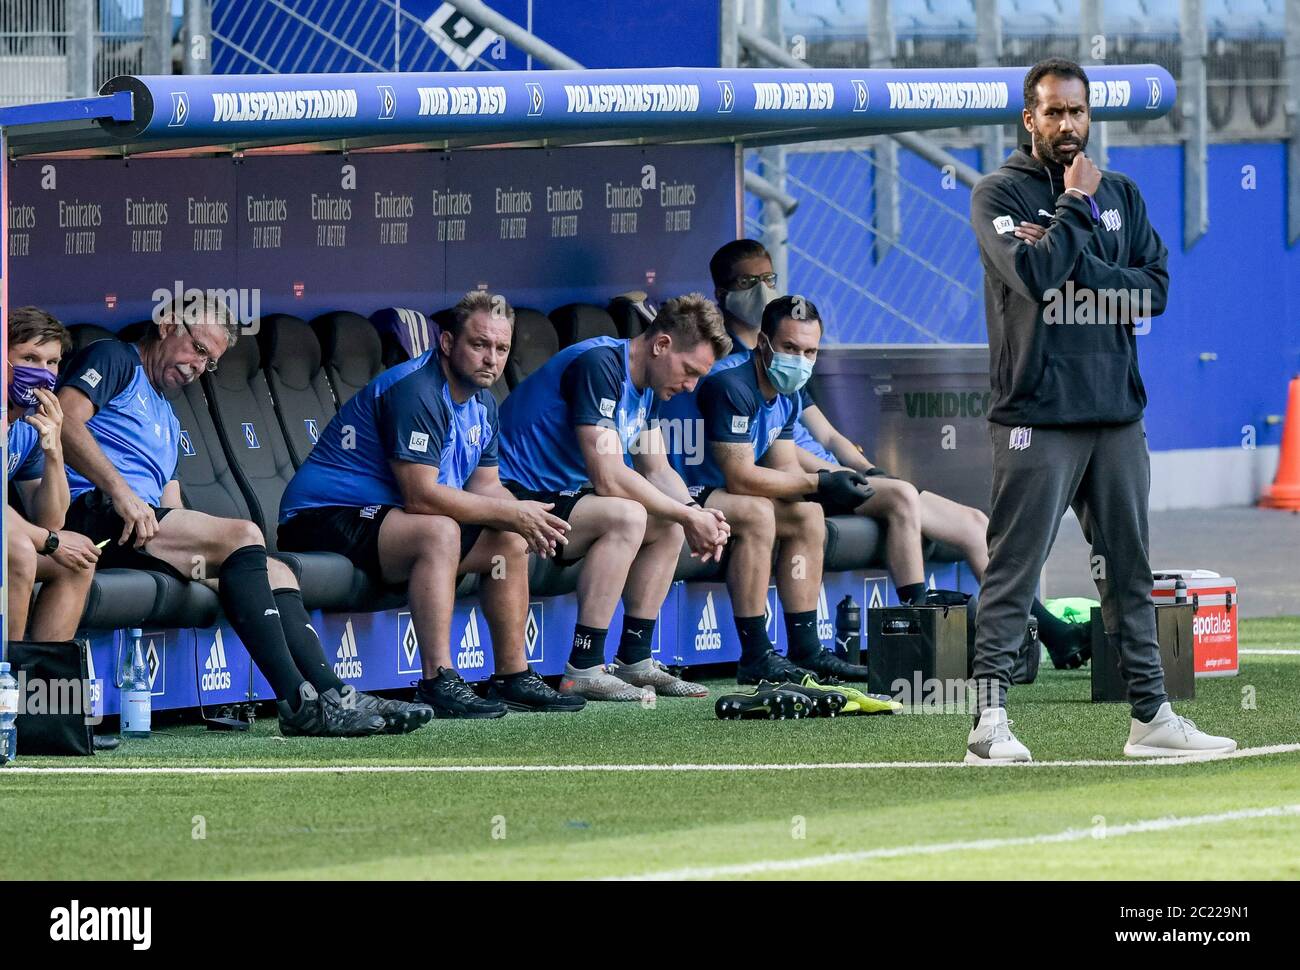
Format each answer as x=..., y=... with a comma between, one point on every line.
x=1066, y=416
x=38, y=547
x=742, y=269
x=748, y=406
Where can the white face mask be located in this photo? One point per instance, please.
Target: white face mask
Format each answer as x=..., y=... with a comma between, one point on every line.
x=748, y=304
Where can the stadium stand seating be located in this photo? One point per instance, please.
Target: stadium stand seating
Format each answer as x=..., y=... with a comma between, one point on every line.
x=300, y=389
x=632, y=313
x=575, y=322
x=535, y=343
x=350, y=350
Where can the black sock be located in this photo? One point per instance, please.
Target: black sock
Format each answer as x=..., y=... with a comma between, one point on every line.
x=637, y=640
x=304, y=644
x=909, y=594
x=801, y=635
x=752, y=631
x=588, y=647
x=245, y=594
x=1056, y=634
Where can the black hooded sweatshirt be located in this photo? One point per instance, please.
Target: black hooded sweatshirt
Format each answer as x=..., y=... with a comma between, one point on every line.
x=1058, y=354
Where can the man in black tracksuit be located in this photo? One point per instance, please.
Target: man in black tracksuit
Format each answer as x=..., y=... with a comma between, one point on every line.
x=1072, y=267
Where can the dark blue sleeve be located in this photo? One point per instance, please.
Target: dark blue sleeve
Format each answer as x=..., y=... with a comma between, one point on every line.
x=101, y=371
x=412, y=421
x=805, y=397
x=489, y=456
x=727, y=408
x=33, y=465
x=593, y=385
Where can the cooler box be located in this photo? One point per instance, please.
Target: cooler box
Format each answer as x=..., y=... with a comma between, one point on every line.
x=1215, y=614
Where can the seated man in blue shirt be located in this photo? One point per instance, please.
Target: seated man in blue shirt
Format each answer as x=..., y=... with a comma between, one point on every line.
x=40, y=548
x=744, y=284
x=404, y=482
x=122, y=439
x=748, y=405
x=577, y=435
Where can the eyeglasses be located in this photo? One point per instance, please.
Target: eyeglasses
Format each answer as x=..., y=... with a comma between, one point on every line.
x=209, y=364
x=748, y=282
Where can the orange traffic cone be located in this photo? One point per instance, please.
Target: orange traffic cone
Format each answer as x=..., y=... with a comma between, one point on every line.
x=1284, y=493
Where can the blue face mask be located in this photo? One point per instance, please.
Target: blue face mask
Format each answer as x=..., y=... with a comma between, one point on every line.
x=789, y=372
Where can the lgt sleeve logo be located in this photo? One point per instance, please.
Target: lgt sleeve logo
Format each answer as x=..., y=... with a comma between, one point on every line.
x=1004, y=224
x=419, y=442
x=740, y=424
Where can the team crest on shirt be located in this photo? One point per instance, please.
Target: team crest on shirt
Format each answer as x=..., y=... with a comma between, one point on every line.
x=92, y=377
x=607, y=407
x=475, y=434
x=771, y=436
x=740, y=424
x=419, y=442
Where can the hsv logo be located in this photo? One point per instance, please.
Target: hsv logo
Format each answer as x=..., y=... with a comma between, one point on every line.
x=387, y=103
x=769, y=614
x=471, y=646
x=726, y=97
x=861, y=98
x=1111, y=220
x=155, y=661
x=877, y=598
x=180, y=109
x=216, y=673
x=187, y=446
x=250, y=436
x=312, y=432
x=536, y=99
x=349, y=662
x=825, y=632
x=1153, y=93
x=1020, y=438
x=533, y=640
x=707, y=636
x=408, y=646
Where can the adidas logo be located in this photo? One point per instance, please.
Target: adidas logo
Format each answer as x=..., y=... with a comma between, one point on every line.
x=471, y=647
x=708, y=637
x=216, y=675
x=825, y=630
x=96, y=691
x=349, y=665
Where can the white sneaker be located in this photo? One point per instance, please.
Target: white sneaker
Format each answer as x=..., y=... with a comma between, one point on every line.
x=654, y=675
x=1171, y=736
x=992, y=743
x=600, y=684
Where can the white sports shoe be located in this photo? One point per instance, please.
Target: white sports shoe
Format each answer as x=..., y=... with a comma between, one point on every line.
x=651, y=673
x=992, y=743
x=1171, y=736
x=600, y=684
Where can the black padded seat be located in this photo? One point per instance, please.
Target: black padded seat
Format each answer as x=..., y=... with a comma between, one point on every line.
x=535, y=343
x=575, y=322
x=304, y=400
x=632, y=313
x=936, y=551
x=693, y=570
x=350, y=352
x=121, y=598
x=853, y=542
x=547, y=578
x=182, y=604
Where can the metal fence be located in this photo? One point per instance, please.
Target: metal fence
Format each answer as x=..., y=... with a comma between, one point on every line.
x=33, y=51
x=306, y=36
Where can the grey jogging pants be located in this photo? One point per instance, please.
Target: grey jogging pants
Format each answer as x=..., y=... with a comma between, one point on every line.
x=1104, y=473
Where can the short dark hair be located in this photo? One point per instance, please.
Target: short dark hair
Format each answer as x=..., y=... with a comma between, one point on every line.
x=789, y=307
x=478, y=301
x=1058, y=67
x=723, y=264
x=688, y=320
x=30, y=324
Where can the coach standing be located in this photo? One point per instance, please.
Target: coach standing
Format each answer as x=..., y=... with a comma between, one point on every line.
x=1066, y=417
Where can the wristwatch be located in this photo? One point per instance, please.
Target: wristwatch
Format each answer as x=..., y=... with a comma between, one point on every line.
x=51, y=543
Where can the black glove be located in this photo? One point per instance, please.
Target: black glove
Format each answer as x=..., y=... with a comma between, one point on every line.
x=843, y=488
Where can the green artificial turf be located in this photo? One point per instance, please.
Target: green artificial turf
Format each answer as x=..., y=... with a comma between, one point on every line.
x=553, y=824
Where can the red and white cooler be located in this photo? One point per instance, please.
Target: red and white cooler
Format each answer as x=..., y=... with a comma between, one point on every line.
x=1215, y=613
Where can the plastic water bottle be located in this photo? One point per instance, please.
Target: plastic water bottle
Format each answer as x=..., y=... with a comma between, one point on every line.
x=137, y=701
x=8, y=715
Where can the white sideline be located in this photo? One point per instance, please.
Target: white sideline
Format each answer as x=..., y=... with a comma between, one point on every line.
x=633, y=768
x=1262, y=652
x=1069, y=835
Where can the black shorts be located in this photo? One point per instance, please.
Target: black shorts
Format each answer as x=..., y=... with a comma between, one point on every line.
x=351, y=532
x=701, y=493
x=92, y=514
x=833, y=507
x=563, y=501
